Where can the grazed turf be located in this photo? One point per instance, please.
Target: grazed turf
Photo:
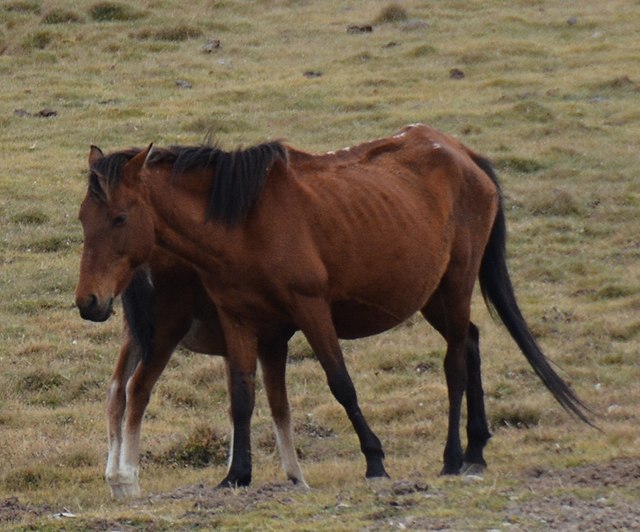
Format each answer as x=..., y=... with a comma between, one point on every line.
x=549, y=91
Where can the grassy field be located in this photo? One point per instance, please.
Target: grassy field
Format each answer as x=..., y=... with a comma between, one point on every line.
x=549, y=90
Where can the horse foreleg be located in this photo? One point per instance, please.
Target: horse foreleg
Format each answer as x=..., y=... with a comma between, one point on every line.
x=241, y=362
x=477, y=427
x=116, y=406
x=313, y=316
x=273, y=360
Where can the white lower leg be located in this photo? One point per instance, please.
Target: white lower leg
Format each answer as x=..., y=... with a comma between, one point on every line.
x=288, y=455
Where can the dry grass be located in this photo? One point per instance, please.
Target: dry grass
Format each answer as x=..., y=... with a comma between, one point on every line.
x=549, y=92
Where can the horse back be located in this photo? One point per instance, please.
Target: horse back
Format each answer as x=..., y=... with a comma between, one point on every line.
x=385, y=218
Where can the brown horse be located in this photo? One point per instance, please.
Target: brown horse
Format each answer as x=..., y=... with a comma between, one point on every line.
x=344, y=244
x=165, y=305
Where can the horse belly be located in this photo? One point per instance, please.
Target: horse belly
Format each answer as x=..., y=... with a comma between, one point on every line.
x=384, y=283
x=206, y=337
x=357, y=319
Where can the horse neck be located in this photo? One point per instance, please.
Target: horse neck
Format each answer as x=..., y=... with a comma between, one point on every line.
x=178, y=207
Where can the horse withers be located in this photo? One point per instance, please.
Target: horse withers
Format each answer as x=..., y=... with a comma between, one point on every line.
x=340, y=245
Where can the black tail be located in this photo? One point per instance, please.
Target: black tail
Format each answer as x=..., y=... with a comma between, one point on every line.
x=137, y=303
x=500, y=298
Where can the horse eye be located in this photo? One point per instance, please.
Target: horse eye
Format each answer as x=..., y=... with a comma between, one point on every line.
x=119, y=220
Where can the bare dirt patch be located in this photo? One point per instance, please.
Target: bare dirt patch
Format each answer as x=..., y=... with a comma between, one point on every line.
x=590, y=497
x=12, y=510
x=211, y=499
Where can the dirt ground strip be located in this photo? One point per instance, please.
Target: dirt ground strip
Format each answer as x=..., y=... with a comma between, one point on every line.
x=587, y=498
x=611, y=501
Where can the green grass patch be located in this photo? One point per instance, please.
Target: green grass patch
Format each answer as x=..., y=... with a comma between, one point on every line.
x=61, y=16
x=391, y=13
x=555, y=203
x=38, y=40
x=176, y=33
x=518, y=164
x=531, y=111
x=41, y=380
x=200, y=449
x=514, y=416
x=112, y=11
x=23, y=7
x=30, y=217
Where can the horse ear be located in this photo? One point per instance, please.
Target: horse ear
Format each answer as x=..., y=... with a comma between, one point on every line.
x=133, y=167
x=95, y=154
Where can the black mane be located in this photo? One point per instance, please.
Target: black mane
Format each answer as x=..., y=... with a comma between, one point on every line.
x=239, y=175
x=106, y=173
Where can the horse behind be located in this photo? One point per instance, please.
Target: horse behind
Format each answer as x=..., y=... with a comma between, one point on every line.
x=165, y=305
x=344, y=244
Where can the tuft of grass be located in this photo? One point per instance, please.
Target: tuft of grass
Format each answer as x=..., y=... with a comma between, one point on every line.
x=33, y=477
x=422, y=51
x=614, y=291
x=200, y=449
x=619, y=84
x=391, y=13
x=532, y=112
x=23, y=7
x=177, y=33
x=38, y=40
x=61, y=16
x=555, y=202
x=41, y=380
x=515, y=416
x=30, y=217
x=23, y=479
x=33, y=307
x=112, y=11
x=518, y=164
x=50, y=244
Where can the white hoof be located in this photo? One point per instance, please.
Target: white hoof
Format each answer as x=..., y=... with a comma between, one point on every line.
x=123, y=490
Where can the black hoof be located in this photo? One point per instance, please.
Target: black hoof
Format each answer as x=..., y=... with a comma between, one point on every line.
x=231, y=482
x=449, y=471
x=376, y=472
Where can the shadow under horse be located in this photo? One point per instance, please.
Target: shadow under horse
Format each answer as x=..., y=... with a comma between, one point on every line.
x=340, y=245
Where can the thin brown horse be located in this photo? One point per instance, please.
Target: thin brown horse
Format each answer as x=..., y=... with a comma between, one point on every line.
x=165, y=305
x=345, y=244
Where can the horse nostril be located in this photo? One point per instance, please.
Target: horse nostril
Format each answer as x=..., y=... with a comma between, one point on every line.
x=93, y=309
x=88, y=303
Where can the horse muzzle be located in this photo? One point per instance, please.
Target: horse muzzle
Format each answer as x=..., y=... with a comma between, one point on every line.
x=93, y=309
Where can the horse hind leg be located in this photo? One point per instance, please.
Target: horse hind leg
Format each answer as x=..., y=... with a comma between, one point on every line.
x=314, y=319
x=138, y=393
x=128, y=359
x=273, y=360
x=477, y=426
x=462, y=371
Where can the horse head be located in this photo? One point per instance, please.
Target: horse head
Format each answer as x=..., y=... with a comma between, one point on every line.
x=118, y=230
